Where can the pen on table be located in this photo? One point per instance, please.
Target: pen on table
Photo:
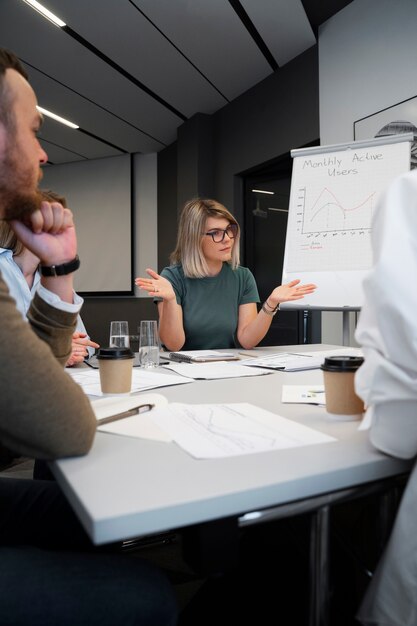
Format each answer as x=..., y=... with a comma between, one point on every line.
x=250, y=356
x=142, y=408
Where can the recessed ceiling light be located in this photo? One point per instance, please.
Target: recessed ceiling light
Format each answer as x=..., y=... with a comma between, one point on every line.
x=57, y=118
x=45, y=12
x=270, y=193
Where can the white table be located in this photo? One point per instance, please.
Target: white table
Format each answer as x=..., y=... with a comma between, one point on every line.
x=127, y=487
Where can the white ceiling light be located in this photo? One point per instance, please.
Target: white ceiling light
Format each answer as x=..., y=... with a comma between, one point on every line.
x=57, y=117
x=45, y=12
x=270, y=193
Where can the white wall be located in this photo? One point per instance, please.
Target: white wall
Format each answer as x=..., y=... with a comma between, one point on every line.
x=100, y=193
x=367, y=62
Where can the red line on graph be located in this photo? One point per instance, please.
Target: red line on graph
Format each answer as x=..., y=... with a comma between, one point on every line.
x=337, y=203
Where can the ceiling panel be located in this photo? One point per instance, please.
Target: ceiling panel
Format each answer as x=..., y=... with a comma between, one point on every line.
x=140, y=68
x=283, y=25
x=54, y=96
x=74, y=140
x=140, y=48
x=211, y=35
x=58, y=154
x=58, y=55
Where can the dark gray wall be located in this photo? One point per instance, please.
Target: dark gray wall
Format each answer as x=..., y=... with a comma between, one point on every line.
x=195, y=158
x=275, y=116
x=167, y=203
x=278, y=114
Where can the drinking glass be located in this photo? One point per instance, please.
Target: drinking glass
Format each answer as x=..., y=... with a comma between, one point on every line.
x=119, y=335
x=148, y=344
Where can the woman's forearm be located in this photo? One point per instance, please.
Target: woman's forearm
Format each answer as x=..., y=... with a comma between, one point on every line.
x=171, y=329
x=253, y=328
x=254, y=331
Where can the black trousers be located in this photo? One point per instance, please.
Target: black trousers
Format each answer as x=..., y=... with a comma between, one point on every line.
x=51, y=575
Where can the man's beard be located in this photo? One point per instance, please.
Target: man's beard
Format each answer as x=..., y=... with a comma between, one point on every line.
x=18, y=197
x=20, y=205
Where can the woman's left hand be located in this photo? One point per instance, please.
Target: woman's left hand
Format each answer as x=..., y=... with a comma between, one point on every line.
x=289, y=292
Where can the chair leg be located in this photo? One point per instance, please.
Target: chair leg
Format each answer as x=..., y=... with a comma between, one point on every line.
x=319, y=567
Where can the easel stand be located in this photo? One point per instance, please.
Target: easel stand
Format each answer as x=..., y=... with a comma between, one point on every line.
x=346, y=328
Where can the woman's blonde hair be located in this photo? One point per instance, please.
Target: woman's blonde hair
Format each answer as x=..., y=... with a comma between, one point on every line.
x=8, y=238
x=191, y=229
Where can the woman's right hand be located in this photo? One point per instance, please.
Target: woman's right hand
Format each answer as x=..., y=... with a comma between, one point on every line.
x=156, y=285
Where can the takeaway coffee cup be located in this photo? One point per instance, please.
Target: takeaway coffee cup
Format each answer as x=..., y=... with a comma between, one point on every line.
x=341, y=399
x=115, y=366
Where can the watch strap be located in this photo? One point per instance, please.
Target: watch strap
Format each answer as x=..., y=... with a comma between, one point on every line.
x=60, y=270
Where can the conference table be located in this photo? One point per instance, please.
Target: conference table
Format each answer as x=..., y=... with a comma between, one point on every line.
x=128, y=487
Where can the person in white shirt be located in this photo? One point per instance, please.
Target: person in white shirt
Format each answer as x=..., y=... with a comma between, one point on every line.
x=19, y=268
x=387, y=382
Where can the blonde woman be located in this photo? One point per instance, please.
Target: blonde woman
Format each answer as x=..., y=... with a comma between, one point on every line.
x=205, y=298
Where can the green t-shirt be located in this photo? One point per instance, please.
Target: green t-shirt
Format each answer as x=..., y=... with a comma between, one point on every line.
x=211, y=305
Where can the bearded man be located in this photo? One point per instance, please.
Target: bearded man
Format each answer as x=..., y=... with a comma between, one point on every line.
x=49, y=571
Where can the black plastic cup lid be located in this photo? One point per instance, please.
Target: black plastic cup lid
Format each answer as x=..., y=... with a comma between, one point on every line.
x=115, y=353
x=342, y=363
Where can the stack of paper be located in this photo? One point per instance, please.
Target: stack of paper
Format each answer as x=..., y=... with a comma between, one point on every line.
x=201, y=356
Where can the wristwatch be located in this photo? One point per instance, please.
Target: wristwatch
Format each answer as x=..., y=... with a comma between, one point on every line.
x=60, y=270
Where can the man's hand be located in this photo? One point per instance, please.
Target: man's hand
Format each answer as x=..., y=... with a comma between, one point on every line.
x=49, y=233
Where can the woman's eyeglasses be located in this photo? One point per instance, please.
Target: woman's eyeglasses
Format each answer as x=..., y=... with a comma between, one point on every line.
x=217, y=234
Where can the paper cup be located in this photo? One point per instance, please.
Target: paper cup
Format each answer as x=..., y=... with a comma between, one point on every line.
x=115, y=367
x=339, y=375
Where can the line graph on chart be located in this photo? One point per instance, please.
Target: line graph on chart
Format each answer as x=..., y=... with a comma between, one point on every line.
x=333, y=203
x=327, y=213
x=331, y=229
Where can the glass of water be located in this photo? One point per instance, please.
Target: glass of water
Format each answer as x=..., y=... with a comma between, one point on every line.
x=148, y=344
x=119, y=335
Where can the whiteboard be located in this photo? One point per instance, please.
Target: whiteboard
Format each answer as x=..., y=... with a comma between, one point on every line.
x=334, y=196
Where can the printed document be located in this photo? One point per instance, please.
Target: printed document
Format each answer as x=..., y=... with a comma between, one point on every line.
x=303, y=394
x=297, y=361
x=209, y=431
x=89, y=380
x=212, y=371
x=286, y=362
